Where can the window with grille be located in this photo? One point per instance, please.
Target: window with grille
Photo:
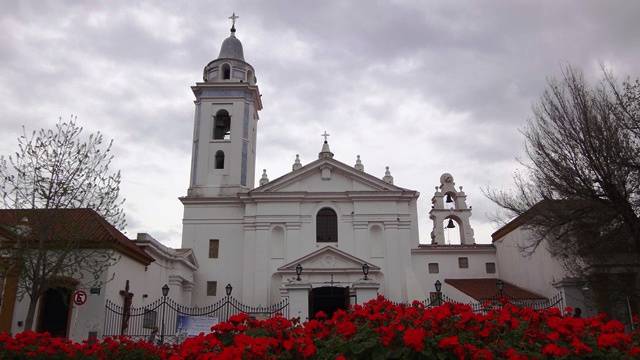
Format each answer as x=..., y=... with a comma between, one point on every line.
x=491, y=268
x=434, y=268
x=214, y=244
x=326, y=226
x=463, y=262
x=212, y=288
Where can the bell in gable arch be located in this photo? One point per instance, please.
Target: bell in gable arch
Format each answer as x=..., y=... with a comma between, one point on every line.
x=450, y=225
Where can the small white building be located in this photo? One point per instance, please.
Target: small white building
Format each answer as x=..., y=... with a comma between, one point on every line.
x=72, y=307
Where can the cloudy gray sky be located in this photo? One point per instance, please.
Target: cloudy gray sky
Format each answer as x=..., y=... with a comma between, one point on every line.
x=424, y=87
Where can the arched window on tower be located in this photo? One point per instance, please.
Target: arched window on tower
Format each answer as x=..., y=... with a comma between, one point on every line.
x=222, y=125
x=219, y=159
x=226, y=71
x=250, y=77
x=326, y=225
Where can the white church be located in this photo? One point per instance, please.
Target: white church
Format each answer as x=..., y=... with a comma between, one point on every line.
x=323, y=236
x=325, y=218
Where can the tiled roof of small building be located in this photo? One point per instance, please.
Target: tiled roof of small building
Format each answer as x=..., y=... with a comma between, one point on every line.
x=481, y=289
x=84, y=225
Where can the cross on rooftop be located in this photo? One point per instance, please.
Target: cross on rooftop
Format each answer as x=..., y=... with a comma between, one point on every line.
x=325, y=136
x=233, y=18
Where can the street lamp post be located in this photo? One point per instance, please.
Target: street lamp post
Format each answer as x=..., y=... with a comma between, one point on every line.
x=165, y=292
x=438, y=286
x=298, y=272
x=500, y=286
x=365, y=271
x=228, y=289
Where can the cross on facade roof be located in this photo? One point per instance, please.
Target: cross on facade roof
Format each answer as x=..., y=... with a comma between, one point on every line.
x=325, y=135
x=233, y=18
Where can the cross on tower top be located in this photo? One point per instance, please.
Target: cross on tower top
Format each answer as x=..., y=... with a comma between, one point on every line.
x=325, y=135
x=233, y=18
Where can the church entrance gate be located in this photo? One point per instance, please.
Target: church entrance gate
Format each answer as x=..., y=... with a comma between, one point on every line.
x=54, y=311
x=328, y=299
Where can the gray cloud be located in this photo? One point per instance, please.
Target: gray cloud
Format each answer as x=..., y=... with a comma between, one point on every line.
x=421, y=87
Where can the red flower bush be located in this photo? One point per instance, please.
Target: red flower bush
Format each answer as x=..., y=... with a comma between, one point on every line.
x=376, y=330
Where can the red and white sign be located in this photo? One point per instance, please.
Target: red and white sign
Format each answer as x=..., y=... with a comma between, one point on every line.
x=79, y=297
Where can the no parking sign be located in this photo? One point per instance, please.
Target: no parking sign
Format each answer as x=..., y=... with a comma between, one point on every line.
x=79, y=297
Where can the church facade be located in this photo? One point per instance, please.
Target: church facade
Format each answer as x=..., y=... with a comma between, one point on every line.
x=327, y=219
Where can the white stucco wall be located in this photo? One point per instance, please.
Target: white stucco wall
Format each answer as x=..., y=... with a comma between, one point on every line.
x=447, y=260
x=143, y=280
x=536, y=272
x=82, y=318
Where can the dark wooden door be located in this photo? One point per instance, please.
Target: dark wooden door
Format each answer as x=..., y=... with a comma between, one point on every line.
x=54, y=312
x=328, y=299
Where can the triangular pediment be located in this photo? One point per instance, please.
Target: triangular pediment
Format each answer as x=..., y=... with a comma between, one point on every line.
x=326, y=175
x=328, y=259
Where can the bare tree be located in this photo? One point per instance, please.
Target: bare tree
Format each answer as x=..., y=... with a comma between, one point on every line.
x=57, y=168
x=580, y=191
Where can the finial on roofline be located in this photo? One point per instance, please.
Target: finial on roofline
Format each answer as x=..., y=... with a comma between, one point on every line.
x=358, y=164
x=387, y=176
x=325, y=153
x=264, y=179
x=296, y=164
x=233, y=18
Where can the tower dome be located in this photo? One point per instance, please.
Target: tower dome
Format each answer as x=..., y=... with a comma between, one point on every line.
x=231, y=48
x=230, y=65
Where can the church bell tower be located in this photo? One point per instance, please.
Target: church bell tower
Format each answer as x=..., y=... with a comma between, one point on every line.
x=450, y=206
x=226, y=116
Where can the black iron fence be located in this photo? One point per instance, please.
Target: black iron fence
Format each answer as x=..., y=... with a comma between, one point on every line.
x=164, y=320
x=535, y=303
x=497, y=302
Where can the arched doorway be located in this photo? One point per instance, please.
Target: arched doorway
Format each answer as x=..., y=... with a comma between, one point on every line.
x=328, y=299
x=54, y=311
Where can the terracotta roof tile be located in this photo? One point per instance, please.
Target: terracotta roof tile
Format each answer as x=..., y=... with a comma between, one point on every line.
x=85, y=225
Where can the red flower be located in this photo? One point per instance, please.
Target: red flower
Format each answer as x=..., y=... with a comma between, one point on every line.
x=414, y=338
x=613, y=340
x=451, y=341
x=396, y=327
x=482, y=354
x=288, y=344
x=554, y=350
x=346, y=329
x=320, y=315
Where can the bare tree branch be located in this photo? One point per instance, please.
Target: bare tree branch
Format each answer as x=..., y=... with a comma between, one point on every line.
x=55, y=169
